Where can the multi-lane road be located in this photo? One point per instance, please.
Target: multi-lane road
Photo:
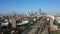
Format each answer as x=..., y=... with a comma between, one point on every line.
x=35, y=29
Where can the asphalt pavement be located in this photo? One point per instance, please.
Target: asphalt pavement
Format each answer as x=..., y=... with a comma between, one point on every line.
x=36, y=28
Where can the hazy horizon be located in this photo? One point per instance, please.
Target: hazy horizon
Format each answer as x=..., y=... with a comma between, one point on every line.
x=48, y=6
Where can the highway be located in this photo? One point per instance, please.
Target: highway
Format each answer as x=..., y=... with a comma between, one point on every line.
x=36, y=28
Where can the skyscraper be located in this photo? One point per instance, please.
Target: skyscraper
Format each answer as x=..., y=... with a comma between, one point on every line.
x=39, y=10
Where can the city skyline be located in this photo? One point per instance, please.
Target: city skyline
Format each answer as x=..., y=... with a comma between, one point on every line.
x=48, y=6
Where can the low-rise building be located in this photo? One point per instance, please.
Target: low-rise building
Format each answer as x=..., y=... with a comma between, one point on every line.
x=51, y=18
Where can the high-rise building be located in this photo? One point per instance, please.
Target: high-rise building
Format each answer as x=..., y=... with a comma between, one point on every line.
x=39, y=10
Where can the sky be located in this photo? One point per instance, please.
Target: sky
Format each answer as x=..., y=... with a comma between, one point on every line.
x=18, y=6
